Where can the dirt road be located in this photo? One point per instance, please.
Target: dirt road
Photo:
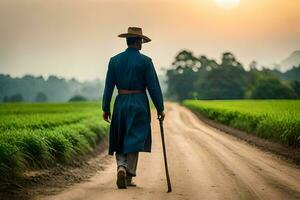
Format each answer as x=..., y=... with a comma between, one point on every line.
x=204, y=164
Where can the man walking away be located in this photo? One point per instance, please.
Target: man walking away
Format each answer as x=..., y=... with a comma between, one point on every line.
x=130, y=131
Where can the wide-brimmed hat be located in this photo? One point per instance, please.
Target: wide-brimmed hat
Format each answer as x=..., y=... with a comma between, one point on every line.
x=135, y=32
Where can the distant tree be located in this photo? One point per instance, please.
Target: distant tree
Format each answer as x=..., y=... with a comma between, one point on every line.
x=296, y=87
x=292, y=74
x=253, y=65
x=14, y=98
x=277, y=67
x=223, y=83
x=182, y=74
x=207, y=64
x=203, y=78
x=272, y=88
x=5, y=99
x=41, y=97
x=55, y=88
x=254, y=76
x=229, y=60
x=78, y=98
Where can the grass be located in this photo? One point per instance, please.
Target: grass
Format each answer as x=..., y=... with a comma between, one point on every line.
x=39, y=135
x=277, y=120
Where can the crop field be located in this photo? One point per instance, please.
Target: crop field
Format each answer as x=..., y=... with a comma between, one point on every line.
x=39, y=135
x=277, y=120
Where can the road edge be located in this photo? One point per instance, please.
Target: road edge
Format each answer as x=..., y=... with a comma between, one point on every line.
x=285, y=152
x=33, y=185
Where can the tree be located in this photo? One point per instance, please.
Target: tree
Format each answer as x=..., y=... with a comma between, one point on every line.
x=296, y=87
x=229, y=60
x=272, y=88
x=223, y=83
x=78, y=98
x=292, y=74
x=182, y=75
x=253, y=65
x=5, y=99
x=56, y=89
x=41, y=97
x=192, y=77
x=203, y=78
x=14, y=98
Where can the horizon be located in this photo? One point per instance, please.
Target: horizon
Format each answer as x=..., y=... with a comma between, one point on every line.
x=69, y=78
x=77, y=38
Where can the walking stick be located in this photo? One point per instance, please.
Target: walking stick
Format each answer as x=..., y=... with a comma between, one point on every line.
x=165, y=154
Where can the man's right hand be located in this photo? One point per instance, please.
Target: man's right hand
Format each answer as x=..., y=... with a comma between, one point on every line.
x=161, y=116
x=106, y=116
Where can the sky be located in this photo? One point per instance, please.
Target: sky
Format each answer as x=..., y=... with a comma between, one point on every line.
x=76, y=38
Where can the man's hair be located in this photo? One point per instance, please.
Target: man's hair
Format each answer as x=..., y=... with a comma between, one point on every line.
x=132, y=40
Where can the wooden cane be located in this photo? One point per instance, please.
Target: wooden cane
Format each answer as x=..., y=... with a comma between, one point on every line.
x=165, y=154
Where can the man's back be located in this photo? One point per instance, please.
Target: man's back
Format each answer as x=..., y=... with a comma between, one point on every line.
x=130, y=69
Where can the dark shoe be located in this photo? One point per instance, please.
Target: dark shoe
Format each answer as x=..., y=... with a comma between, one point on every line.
x=121, y=179
x=129, y=182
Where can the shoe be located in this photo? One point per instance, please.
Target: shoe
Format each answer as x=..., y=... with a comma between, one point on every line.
x=129, y=181
x=121, y=177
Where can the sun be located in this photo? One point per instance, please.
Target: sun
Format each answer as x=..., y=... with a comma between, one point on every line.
x=228, y=3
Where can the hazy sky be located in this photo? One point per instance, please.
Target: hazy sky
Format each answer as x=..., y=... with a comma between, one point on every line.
x=76, y=38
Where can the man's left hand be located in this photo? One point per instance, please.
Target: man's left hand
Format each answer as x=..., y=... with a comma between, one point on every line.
x=161, y=116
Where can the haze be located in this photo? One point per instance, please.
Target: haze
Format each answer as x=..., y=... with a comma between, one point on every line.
x=76, y=38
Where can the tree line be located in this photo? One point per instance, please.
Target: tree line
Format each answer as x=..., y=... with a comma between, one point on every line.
x=192, y=77
x=53, y=89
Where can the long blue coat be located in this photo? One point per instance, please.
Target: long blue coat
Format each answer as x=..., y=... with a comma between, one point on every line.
x=130, y=129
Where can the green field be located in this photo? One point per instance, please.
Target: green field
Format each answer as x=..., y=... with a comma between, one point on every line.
x=39, y=135
x=277, y=120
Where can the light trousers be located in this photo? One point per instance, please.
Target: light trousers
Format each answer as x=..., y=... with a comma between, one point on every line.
x=129, y=161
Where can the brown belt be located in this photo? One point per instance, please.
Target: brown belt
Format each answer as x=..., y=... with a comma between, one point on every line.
x=130, y=91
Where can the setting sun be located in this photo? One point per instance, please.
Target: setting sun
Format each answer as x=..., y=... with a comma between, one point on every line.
x=228, y=3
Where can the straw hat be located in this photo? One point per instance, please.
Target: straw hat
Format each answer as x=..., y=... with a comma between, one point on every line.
x=135, y=32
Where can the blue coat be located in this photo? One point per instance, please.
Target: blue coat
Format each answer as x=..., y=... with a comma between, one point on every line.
x=130, y=129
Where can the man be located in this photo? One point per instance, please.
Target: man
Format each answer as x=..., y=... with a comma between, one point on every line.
x=130, y=132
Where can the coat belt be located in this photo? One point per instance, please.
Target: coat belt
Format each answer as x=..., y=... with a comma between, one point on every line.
x=121, y=91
